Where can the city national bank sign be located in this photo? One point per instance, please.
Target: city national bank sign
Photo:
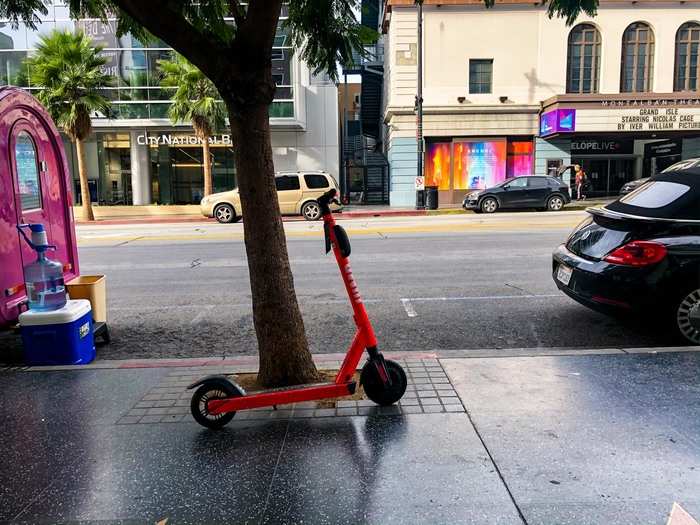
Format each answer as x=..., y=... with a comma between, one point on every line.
x=181, y=140
x=617, y=116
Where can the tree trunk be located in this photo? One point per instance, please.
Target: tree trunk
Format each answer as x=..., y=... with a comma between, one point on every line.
x=284, y=353
x=208, y=183
x=87, y=214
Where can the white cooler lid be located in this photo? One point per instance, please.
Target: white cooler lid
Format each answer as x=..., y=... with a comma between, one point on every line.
x=74, y=309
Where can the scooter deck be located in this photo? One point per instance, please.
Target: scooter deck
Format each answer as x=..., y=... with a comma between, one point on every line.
x=281, y=396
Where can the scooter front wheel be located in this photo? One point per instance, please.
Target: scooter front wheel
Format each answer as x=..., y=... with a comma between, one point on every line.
x=212, y=389
x=375, y=388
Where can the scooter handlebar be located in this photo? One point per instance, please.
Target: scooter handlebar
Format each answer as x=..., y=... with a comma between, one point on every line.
x=325, y=201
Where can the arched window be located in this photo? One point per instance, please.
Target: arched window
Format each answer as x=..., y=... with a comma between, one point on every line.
x=637, y=59
x=687, y=55
x=583, y=64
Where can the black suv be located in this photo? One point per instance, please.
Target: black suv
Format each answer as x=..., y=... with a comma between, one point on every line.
x=546, y=193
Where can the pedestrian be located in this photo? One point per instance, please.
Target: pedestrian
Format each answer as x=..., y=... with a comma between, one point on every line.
x=580, y=182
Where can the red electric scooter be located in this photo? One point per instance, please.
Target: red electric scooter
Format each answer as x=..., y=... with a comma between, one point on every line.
x=218, y=398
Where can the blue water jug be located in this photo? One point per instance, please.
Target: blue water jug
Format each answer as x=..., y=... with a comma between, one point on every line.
x=43, y=279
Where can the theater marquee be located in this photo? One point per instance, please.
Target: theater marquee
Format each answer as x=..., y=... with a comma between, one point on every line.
x=643, y=113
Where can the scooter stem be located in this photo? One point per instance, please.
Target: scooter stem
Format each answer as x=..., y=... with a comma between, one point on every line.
x=341, y=250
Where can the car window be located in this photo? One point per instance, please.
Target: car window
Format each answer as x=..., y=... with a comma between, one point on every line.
x=517, y=184
x=655, y=194
x=538, y=182
x=314, y=181
x=554, y=183
x=287, y=182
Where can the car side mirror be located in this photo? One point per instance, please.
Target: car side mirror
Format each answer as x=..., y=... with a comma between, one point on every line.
x=506, y=187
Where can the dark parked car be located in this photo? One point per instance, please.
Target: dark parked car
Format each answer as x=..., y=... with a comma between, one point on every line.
x=640, y=255
x=546, y=193
x=633, y=185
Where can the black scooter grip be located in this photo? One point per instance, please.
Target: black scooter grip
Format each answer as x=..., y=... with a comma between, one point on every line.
x=324, y=201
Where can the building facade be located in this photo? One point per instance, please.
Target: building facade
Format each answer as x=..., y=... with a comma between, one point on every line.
x=508, y=91
x=138, y=156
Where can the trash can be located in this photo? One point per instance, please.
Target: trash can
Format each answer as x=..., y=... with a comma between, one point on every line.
x=431, y=197
x=420, y=199
x=94, y=289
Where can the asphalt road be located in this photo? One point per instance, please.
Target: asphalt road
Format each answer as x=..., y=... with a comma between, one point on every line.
x=450, y=283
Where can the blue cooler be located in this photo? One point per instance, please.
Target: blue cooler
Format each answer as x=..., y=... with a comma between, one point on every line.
x=58, y=337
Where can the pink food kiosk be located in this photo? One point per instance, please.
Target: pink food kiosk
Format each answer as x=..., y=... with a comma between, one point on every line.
x=35, y=187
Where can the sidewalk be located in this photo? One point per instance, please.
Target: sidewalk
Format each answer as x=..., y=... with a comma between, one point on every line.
x=190, y=213
x=568, y=439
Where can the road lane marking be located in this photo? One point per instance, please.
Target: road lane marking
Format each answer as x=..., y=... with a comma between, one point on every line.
x=407, y=302
x=408, y=306
x=484, y=297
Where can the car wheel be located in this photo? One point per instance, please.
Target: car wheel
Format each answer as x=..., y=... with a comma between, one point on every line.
x=489, y=205
x=688, y=317
x=224, y=213
x=555, y=203
x=311, y=211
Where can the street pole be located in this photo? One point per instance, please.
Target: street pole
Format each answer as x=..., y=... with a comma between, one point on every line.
x=344, y=192
x=420, y=193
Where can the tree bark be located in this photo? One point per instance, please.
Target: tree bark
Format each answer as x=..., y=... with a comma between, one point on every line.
x=87, y=214
x=282, y=345
x=208, y=183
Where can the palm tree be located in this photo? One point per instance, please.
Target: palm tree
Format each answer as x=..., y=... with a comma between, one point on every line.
x=69, y=70
x=197, y=100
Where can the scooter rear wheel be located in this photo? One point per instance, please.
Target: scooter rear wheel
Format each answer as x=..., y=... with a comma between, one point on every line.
x=375, y=388
x=212, y=389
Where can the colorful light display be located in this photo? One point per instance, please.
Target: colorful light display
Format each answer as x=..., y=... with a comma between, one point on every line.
x=479, y=164
x=520, y=159
x=437, y=166
x=476, y=164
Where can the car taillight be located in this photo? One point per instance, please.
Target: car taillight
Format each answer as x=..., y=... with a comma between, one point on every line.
x=637, y=253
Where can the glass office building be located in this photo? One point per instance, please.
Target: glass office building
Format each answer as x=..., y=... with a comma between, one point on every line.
x=137, y=156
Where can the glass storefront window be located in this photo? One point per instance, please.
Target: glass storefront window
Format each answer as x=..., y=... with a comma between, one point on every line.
x=133, y=64
x=12, y=69
x=152, y=57
x=479, y=164
x=11, y=38
x=437, y=165
x=282, y=109
x=520, y=158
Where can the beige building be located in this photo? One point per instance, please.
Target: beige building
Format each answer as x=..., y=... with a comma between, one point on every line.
x=508, y=91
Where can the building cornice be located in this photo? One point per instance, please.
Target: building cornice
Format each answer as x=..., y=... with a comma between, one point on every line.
x=395, y=111
x=622, y=100
x=632, y=4
x=276, y=124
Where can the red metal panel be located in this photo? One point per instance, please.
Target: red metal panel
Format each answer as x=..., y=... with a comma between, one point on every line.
x=352, y=359
x=283, y=397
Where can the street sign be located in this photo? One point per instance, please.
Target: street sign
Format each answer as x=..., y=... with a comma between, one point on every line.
x=420, y=183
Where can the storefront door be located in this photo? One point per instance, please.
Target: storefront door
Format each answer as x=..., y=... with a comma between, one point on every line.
x=606, y=176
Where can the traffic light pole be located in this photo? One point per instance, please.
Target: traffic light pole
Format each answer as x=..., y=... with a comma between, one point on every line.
x=420, y=192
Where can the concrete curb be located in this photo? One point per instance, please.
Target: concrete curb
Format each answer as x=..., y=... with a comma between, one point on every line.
x=339, y=216
x=326, y=359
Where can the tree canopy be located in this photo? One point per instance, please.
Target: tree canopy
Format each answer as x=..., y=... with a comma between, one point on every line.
x=69, y=69
x=196, y=98
x=326, y=32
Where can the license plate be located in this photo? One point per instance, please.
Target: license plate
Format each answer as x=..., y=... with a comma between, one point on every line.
x=564, y=274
